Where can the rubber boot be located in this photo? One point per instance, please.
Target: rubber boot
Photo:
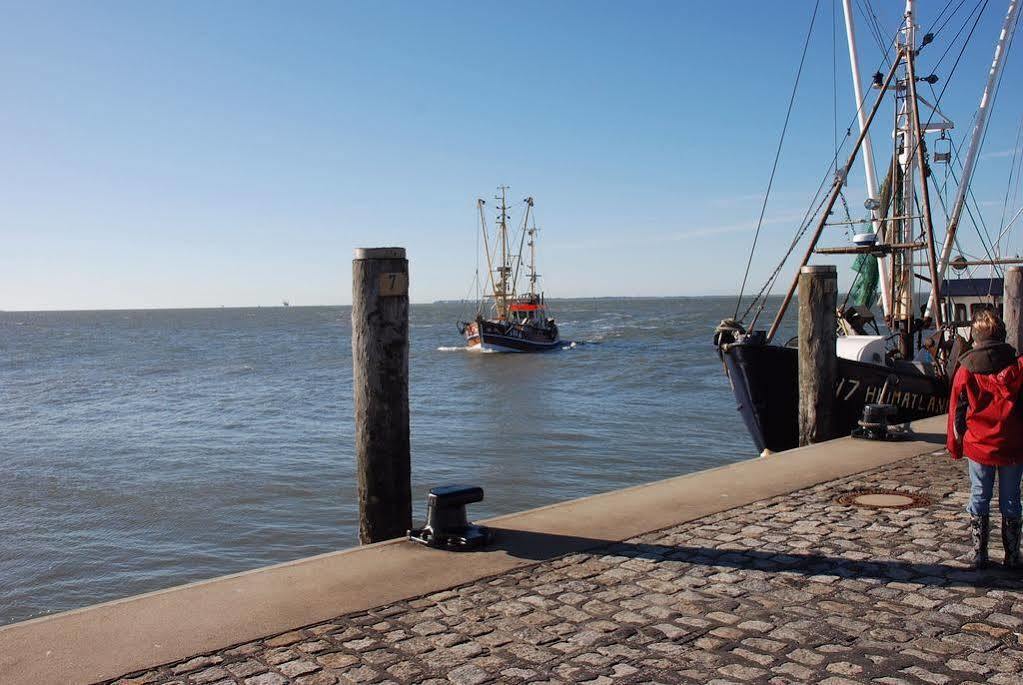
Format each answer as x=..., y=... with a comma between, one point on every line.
x=980, y=527
x=1010, y=541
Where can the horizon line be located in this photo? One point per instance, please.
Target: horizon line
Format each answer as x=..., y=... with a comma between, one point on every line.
x=311, y=306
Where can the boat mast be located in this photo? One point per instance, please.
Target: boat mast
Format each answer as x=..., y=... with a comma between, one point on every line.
x=925, y=196
x=531, y=232
x=868, y=152
x=504, y=270
x=480, y=202
x=905, y=192
x=979, y=127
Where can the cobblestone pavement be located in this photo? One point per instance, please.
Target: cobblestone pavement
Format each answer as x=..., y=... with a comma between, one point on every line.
x=795, y=589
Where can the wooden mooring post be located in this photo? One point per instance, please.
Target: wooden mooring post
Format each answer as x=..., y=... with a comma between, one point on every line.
x=380, y=347
x=1012, y=304
x=818, y=359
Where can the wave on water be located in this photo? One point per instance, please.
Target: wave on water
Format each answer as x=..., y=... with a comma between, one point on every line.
x=463, y=348
x=240, y=370
x=567, y=345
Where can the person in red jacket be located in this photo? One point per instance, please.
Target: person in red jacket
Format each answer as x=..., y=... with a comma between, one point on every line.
x=985, y=423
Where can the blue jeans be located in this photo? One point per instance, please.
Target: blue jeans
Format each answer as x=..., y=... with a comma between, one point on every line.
x=982, y=485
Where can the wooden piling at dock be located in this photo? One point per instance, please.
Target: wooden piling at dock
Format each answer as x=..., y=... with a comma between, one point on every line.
x=380, y=350
x=818, y=358
x=1012, y=306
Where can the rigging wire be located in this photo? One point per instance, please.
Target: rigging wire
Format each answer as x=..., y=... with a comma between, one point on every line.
x=811, y=212
x=1019, y=174
x=947, y=19
x=981, y=6
x=874, y=20
x=777, y=155
x=479, y=299
x=870, y=19
x=834, y=81
x=804, y=225
x=1008, y=187
x=1016, y=169
x=969, y=211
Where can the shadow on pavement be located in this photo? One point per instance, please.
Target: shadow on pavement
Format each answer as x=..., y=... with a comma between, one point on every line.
x=545, y=546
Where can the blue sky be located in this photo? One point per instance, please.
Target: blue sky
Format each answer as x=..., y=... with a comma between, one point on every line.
x=169, y=154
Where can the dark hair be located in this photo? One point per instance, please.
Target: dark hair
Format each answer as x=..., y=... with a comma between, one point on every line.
x=987, y=325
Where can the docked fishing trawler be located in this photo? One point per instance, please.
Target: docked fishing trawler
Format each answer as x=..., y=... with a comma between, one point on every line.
x=916, y=345
x=506, y=320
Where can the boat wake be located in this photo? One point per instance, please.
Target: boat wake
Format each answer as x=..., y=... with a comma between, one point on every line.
x=463, y=348
x=566, y=345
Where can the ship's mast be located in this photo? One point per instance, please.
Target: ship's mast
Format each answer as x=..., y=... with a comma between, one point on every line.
x=501, y=292
x=531, y=232
x=480, y=203
x=909, y=150
x=868, y=152
x=925, y=195
x=905, y=149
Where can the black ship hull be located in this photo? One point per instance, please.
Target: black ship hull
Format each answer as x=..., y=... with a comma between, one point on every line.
x=505, y=336
x=765, y=381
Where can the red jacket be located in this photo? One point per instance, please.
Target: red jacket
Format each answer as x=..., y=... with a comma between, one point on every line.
x=985, y=414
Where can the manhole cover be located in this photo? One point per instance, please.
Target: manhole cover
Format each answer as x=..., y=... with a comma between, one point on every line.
x=883, y=499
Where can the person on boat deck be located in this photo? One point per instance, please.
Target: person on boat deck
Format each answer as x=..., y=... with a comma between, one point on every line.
x=985, y=424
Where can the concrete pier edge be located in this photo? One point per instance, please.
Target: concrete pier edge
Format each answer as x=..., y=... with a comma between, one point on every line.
x=111, y=639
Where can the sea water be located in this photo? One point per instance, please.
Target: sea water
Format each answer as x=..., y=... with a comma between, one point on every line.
x=144, y=449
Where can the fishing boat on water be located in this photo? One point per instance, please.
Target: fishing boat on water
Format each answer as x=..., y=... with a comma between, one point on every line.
x=915, y=346
x=507, y=320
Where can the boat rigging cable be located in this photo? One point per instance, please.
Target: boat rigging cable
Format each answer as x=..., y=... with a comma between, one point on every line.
x=777, y=155
x=805, y=222
x=969, y=212
x=1013, y=175
x=947, y=19
x=522, y=242
x=981, y=5
x=873, y=26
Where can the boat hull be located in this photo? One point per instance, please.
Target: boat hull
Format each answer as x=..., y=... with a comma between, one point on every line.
x=499, y=336
x=765, y=381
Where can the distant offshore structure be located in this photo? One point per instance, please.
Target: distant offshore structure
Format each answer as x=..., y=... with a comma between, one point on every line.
x=285, y=303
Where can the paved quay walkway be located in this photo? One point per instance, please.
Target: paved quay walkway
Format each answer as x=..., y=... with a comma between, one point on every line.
x=796, y=588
